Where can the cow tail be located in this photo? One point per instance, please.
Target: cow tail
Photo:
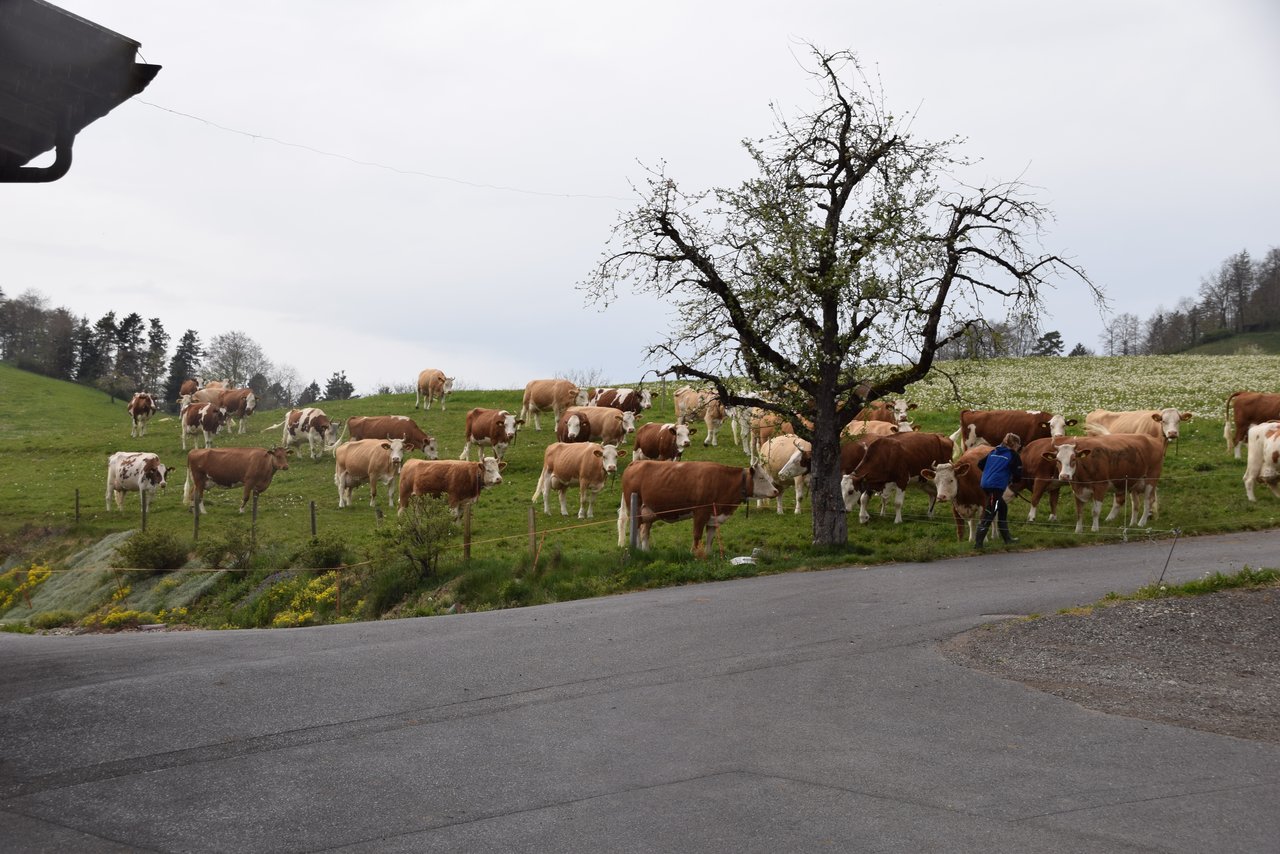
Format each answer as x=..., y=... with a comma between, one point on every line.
x=187, y=488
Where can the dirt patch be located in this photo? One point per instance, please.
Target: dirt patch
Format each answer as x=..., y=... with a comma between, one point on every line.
x=1205, y=662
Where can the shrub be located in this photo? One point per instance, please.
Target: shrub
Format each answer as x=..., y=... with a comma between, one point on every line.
x=324, y=552
x=233, y=548
x=418, y=536
x=387, y=586
x=151, y=550
x=52, y=619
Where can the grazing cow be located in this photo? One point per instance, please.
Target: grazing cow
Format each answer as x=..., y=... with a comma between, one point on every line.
x=787, y=458
x=141, y=408
x=591, y=423
x=960, y=483
x=1040, y=474
x=254, y=467
x=1123, y=463
x=897, y=461
x=392, y=427
x=554, y=396
x=1145, y=422
x=312, y=425
x=886, y=411
x=1264, y=458
x=432, y=384
x=587, y=464
x=662, y=441
x=1251, y=407
x=371, y=461
x=134, y=471
x=205, y=418
x=692, y=403
x=626, y=399
x=707, y=492
x=495, y=428
x=991, y=425
x=459, y=480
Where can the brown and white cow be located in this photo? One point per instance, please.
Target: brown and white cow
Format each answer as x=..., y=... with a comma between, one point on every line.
x=1040, y=474
x=1145, y=422
x=1123, y=463
x=1250, y=407
x=592, y=423
x=206, y=419
x=960, y=484
x=141, y=407
x=586, y=464
x=459, y=480
x=787, y=459
x=991, y=425
x=625, y=399
x=885, y=411
x=240, y=404
x=227, y=467
x=858, y=429
x=1263, y=461
x=309, y=424
x=896, y=461
x=554, y=396
x=432, y=385
x=707, y=492
x=493, y=428
x=370, y=461
x=662, y=441
x=134, y=471
x=705, y=403
x=392, y=427
x=189, y=386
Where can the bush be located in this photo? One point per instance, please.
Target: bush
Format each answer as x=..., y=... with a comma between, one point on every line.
x=419, y=536
x=151, y=550
x=388, y=586
x=52, y=620
x=233, y=548
x=324, y=552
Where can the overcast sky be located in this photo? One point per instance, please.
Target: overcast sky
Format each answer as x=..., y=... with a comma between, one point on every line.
x=512, y=133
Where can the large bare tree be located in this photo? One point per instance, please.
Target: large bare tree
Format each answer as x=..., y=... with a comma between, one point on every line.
x=833, y=276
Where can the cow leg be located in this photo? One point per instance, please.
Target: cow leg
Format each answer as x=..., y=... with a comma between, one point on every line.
x=800, y=483
x=373, y=491
x=562, y=489
x=1097, y=511
x=700, y=519
x=863, y=498
x=1117, y=504
x=466, y=450
x=897, y=503
x=623, y=522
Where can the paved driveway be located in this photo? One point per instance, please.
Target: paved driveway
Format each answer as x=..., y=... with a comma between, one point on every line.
x=803, y=712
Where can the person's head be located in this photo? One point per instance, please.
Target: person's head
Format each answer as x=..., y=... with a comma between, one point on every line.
x=1012, y=440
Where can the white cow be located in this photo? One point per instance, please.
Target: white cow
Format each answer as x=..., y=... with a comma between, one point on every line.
x=1264, y=458
x=134, y=471
x=786, y=457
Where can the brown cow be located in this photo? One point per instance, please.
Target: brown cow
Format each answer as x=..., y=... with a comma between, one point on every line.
x=858, y=429
x=206, y=418
x=592, y=423
x=189, y=386
x=586, y=464
x=707, y=492
x=991, y=425
x=254, y=467
x=239, y=404
x=495, y=428
x=691, y=403
x=1040, y=475
x=960, y=483
x=787, y=459
x=432, y=385
x=312, y=425
x=392, y=427
x=886, y=411
x=1122, y=463
x=1251, y=407
x=662, y=441
x=1146, y=422
x=897, y=461
x=371, y=461
x=625, y=399
x=553, y=396
x=141, y=408
x=459, y=480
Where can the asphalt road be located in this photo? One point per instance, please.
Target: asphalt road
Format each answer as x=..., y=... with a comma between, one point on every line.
x=803, y=712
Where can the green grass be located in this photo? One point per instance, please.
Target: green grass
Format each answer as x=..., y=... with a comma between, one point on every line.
x=55, y=438
x=1246, y=342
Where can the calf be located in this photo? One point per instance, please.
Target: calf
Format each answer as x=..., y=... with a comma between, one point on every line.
x=554, y=396
x=1263, y=462
x=1250, y=407
x=662, y=441
x=587, y=465
x=141, y=408
x=392, y=427
x=960, y=483
x=312, y=425
x=896, y=461
x=253, y=467
x=202, y=418
x=371, y=461
x=709, y=493
x=458, y=480
x=1122, y=463
x=591, y=423
x=134, y=471
x=787, y=458
x=432, y=384
x=494, y=428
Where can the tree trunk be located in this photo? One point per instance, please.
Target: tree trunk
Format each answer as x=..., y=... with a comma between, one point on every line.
x=830, y=526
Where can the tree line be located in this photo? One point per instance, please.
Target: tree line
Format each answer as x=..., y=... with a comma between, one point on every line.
x=121, y=355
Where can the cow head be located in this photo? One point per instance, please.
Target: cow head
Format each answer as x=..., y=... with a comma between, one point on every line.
x=609, y=455
x=331, y=433
x=1168, y=419
x=901, y=408
x=394, y=449
x=430, y=449
x=1057, y=425
x=1065, y=457
x=492, y=473
x=509, y=425
x=629, y=422
x=762, y=485
x=796, y=465
x=848, y=492
x=447, y=386
x=279, y=458
x=646, y=399
x=573, y=426
x=579, y=396
x=946, y=479
x=683, y=432
x=154, y=473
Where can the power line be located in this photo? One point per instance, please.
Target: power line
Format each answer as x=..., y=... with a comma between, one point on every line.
x=375, y=165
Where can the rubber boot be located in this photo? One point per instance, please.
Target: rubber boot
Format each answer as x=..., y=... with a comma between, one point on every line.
x=1004, y=532
x=983, y=527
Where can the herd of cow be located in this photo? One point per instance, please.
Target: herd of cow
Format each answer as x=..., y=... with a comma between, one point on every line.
x=1122, y=454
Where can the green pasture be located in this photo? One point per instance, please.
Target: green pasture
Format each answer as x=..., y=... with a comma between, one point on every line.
x=55, y=438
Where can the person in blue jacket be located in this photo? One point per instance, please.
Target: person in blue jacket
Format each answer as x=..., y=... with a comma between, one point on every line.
x=999, y=468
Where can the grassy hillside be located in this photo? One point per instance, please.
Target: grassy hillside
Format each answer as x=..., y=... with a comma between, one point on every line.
x=55, y=438
x=1246, y=343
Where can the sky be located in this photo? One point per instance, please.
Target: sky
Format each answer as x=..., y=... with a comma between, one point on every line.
x=507, y=138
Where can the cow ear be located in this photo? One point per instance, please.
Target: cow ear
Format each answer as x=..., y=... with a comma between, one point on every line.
x=962, y=468
x=912, y=405
x=502, y=465
x=597, y=452
x=386, y=446
x=1048, y=456
x=1086, y=452
x=693, y=430
x=1071, y=422
x=928, y=474
x=1186, y=416
x=621, y=454
x=1157, y=417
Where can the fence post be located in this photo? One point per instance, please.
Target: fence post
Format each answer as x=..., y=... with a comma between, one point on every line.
x=143, y=493
x=195, y=512
x=635, y=521
x=338, y=581
x=533, y=532
x=466, y=533
x=253, y=525
x=313, y=520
